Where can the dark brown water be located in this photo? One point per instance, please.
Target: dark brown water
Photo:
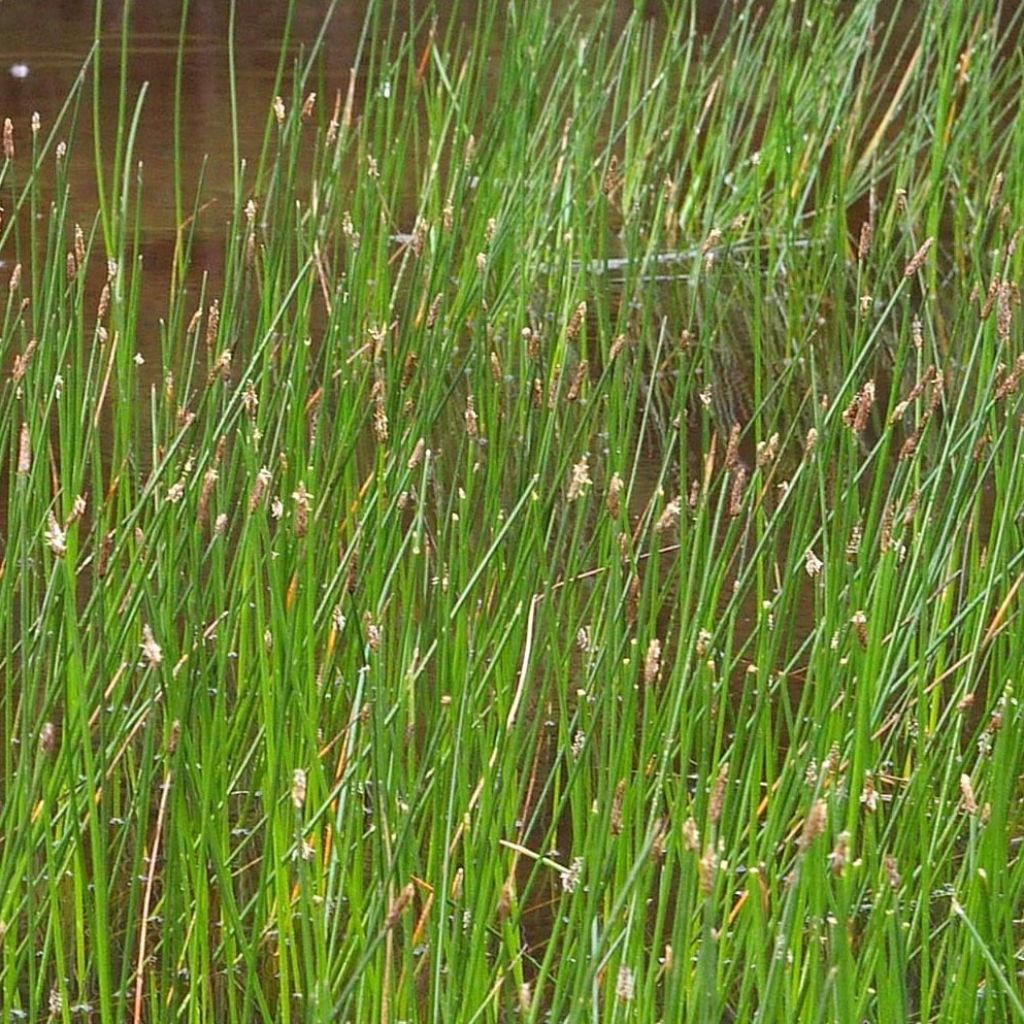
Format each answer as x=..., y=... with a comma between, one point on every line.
x=41, y=54
x=42, y=51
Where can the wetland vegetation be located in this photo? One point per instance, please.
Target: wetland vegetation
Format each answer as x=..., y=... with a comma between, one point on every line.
x=540, y=538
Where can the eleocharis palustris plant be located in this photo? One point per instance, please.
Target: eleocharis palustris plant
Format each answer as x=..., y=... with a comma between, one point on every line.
x=547, y=545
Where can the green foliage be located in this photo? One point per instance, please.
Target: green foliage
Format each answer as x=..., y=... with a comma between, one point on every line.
x=562, y=564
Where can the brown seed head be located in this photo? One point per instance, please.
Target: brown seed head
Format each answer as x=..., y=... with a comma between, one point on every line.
x=867, y=234
x=579, y=482
x=767, y=451
x=55, y=537
x=24, y=451
x=691, y=835
x=212, y=324
x=209, y=479
x=859, y=410
x=718, y=795
x=472, y=421
x=869, y=794
x=917, y=260
x=732, y=449
x=298, y=788
x=374, y=633
x=625, y=985
x=669, y=517
x=106, y=550
x=380, y=414
x=892, y=870
x=739, y=480
x=840, y=853
x=259, y=489
x=408, y=370
x=1004, y=313
x=302, y=499
x=575, y=322
x=435, y=309
x=613, y=500
x=578, y=379
x=48, y=738
x=404, y=899
x=615, y=818
x=814, y=825
x=104, y=303
x=652, y=661
x=633, y=600
x=706, y=868
x=151, y=650
x=970, y=804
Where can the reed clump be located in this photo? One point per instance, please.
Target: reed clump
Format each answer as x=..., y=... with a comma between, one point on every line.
x=418, y=628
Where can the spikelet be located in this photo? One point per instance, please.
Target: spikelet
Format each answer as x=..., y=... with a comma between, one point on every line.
x=151, y=650
x=814, y=825
x=259, y=489
x=417, y=454
x=739, y=479
x=24, y=451
x=298, y=789
x=435, y=309
x=732, y=449
x=840, y=853
x=969, y=803
x=575, y=322
x=625, y=985
x=691, y=835
x=471, y=418
x=717, y=803
x=579, y=482
x=380, y=415
x=302, y=499
x=613, y=500
x=917, y=260
x=652, y=662
x=615, y=818
x=395, y=912
x=55, y=537
x=856, y=414
x=669, y=517
x=212, y=324
x=576, y=386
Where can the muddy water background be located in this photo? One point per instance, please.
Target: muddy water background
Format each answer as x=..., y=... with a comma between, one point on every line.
x=42, y=55
x=42, y=52
x=49, y=50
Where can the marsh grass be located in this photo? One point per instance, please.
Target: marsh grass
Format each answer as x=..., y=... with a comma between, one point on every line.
x=410, y=629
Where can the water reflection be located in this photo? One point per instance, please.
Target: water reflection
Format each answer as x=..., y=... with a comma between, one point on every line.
x=47, y=55
x=40, y=58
